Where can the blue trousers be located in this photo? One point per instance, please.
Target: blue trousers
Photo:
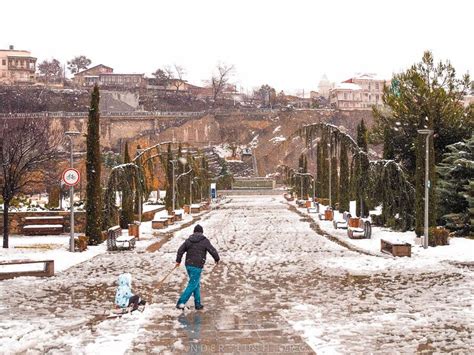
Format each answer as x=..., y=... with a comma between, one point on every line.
x=193, y=287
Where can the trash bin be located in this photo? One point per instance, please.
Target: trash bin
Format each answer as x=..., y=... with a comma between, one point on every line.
x=134, y=230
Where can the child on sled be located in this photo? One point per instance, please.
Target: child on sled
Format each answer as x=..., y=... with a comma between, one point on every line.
x=124, y=297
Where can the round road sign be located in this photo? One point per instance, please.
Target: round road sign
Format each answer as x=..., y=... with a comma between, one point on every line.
x=71, y=177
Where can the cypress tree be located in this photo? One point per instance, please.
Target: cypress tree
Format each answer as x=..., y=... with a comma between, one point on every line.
x=169, y=180
x=334, y=182
x=324, y=167
x=93, y=170
x=318, y=170
x=188, y=187
x=388, y=144
x=362, y=136
x=181, y=183
x=205, y=182
x=344, y=186
x=136, y=202
x=126, y=214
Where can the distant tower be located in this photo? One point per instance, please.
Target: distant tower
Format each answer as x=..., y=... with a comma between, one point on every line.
x=324, y=86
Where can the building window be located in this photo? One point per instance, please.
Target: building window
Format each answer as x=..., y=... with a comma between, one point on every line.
x=377, y=87
x=4, y=62
x=345, y=96
x=377, y=97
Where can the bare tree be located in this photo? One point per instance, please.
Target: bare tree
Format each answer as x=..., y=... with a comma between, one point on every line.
x=78, y=63
x=220, y=78
x=26, y=146
x=176, y=74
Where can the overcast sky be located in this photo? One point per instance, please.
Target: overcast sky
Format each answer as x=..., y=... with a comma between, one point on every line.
x=287, y=44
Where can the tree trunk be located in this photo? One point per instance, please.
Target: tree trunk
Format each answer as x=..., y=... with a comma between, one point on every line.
x=6, y=206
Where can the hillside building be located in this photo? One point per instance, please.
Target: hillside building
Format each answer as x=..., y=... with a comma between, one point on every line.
x=17, y=66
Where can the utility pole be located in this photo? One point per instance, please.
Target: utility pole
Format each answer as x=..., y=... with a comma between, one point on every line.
x=330, y=171
x=71, y=135
x=428, y=133
x=172, y=163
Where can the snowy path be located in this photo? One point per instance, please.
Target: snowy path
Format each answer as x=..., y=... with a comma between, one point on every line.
x=274, y=292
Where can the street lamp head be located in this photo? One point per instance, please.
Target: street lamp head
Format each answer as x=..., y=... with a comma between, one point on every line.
x=183, y=160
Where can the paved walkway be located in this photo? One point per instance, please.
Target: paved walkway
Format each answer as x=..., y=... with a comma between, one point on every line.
x=270, y=295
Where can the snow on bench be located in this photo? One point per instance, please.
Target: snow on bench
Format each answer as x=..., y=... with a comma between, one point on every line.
x=195, y=208
x=59, y=218
x=43, y=229
x=115, y=240
x=15, y=268
x=39, y=226
x=43, y=225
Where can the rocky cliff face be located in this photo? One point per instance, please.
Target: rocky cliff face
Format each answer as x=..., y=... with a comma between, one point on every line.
x=266, y=134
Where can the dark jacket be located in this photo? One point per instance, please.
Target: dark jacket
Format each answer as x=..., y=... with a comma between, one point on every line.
x=196, y=247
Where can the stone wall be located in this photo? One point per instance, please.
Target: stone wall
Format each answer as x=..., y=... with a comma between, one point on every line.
x=17, y=219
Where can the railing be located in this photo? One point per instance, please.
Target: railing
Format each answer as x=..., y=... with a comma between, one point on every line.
x=104, y=114
x=139, y=114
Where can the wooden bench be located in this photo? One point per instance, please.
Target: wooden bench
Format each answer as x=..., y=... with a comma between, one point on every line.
x=159, y=222
x=115, y=240
x=328, y=215
x=43, y=225
x=195, y=208
x=47, y=270
x=178, y=216
x=301, y=203
x=170, y=219
x=362, y=231
x=396, y=249
x=344, y=223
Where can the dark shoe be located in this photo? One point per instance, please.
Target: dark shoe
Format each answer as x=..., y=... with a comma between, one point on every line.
x=199, y=307
x=142, y=303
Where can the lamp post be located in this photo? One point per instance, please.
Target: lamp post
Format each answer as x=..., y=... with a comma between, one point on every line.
x=71, y=135
x=139, y=151
x=330, y=172
x=173, y=162
x=301, y=186
x=428, y=133
x=172, y=185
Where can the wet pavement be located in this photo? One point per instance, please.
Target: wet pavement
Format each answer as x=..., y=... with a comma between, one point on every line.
x=270, y=294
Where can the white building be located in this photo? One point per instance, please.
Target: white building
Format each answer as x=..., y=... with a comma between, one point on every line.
x=324, y=86
x=359, y=92
x=17, y=66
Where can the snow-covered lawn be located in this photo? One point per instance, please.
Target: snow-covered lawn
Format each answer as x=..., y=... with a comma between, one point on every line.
x=55, y=247
x=459, y=250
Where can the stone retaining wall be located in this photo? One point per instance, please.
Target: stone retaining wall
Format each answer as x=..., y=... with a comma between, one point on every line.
x=17, y=219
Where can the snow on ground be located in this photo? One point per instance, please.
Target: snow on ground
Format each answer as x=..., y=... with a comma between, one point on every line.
x=223, y=151
x=148, y=207
x=277, y=139
x=459, y=250
x=277, y=278
x=55, y=247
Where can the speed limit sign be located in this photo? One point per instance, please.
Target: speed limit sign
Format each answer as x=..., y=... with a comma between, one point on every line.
x=71, y=177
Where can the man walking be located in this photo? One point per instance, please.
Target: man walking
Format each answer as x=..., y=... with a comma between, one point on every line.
x=195, y=247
